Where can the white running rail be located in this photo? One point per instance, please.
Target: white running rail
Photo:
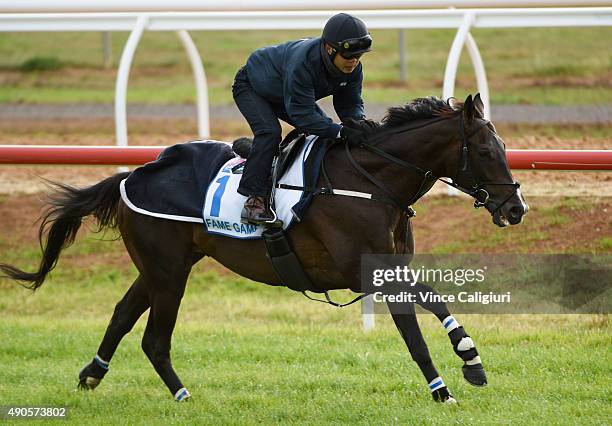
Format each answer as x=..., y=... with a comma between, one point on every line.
x=182, y=22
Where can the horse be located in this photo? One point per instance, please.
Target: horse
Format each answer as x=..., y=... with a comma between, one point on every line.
x=414, y=145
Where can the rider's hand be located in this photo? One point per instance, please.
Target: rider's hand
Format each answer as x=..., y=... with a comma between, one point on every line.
x=365, y=125
x=352, y=137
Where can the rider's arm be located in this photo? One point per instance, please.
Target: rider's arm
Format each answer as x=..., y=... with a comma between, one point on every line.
x=301, y=106
x=347, y=100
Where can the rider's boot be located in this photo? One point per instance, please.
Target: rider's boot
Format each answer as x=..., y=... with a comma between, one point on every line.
x=257, y=211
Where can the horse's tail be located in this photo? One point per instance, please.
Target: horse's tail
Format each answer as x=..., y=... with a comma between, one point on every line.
x=61, y=221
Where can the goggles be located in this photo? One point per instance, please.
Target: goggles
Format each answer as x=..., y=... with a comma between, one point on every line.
x=354, y=47
x=349, y=56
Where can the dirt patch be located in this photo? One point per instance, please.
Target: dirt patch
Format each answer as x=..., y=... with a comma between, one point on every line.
x=593, y=81
x=18, y=216
x=443, y=224
x=603, y=80
x=553, y=225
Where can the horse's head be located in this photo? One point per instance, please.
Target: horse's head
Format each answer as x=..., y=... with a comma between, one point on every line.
x=483, y=171
x=432, y=138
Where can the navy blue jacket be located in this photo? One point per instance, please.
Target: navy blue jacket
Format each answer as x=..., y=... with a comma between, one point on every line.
x=293, y=75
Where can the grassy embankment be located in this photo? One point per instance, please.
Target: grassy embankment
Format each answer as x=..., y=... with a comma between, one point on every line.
x=561, y=66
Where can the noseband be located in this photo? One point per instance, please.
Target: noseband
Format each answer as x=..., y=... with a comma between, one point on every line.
x=464, y=171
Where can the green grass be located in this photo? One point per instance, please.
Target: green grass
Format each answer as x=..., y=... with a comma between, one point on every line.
x=606, y=243
x=253, y=354
x=250, y=353
x=528, y=66
x=39, y=63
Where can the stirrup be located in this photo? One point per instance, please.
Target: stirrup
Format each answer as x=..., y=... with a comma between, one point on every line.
x=274, y=223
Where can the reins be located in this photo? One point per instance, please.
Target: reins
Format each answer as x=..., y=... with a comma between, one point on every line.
x=478, y=192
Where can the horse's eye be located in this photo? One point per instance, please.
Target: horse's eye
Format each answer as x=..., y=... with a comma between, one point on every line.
x=484, y=153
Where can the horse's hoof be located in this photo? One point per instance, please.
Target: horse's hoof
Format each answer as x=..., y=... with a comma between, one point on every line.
x=450, y=401
x=182, y=395
x=443, y=395
x=88, y=383
x=474, y=374
x=90, y=376
x=447, y=399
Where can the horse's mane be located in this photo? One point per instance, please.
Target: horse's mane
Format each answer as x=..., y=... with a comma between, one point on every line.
x=421, y=108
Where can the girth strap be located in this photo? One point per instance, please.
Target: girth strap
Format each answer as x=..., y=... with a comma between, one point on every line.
x=331, y=302
x=285, y=263
x=289, y=269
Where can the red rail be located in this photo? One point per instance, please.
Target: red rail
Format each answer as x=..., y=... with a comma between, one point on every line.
x=529, y=159
x=72, y=154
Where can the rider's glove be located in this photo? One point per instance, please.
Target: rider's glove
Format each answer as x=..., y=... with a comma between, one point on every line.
x=365, y=125
x=352, y=137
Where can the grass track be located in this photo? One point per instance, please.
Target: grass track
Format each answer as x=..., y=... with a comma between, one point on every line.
x=255, y=354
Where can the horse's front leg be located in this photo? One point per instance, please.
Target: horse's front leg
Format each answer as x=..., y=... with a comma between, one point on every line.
x=406, y=321
x=463, y=345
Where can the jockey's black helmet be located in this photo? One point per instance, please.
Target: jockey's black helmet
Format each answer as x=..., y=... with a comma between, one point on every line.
x=347, y=35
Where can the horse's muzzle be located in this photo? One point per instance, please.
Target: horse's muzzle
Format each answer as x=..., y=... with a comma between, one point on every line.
x=513, y=215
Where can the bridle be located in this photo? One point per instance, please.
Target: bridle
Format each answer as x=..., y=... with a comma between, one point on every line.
x=464, y=173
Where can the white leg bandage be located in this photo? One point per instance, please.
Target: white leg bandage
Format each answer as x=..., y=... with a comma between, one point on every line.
x=181, y=395
x=474, y=361
x=450, y=323
x=101, y=362
x=465, y=344
x=436, y=384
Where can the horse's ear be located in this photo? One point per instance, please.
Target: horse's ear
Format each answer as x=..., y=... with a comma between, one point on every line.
x=468, y=110
x=479, y=105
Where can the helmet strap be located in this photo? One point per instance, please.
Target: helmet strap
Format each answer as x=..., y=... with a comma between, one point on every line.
x=332, y=56
x=328, y=60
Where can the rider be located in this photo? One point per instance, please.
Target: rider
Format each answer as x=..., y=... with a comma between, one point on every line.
x=285, y=81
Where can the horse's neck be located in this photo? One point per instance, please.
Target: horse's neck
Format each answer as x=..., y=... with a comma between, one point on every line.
x=432, y=148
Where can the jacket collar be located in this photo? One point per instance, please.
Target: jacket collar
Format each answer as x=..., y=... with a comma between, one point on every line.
x=333, y=70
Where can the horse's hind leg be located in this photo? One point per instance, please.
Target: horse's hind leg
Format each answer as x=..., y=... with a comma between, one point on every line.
x=127, y=311
x=163, y=251
x=463, y=345
x=405, y=319
x=156, y=341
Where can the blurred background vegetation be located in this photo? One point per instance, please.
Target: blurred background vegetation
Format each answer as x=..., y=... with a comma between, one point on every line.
x=549, y=66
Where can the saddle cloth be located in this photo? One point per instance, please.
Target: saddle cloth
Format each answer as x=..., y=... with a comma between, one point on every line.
x=223, y=204
x=194, y=182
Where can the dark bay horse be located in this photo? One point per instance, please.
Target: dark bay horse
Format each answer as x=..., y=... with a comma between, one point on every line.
x=415, y=144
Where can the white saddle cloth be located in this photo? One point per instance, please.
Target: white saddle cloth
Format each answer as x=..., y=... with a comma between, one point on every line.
x=223, y=204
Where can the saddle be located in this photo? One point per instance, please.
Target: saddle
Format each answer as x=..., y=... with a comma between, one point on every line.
x=287, y=151
x=279, y=249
